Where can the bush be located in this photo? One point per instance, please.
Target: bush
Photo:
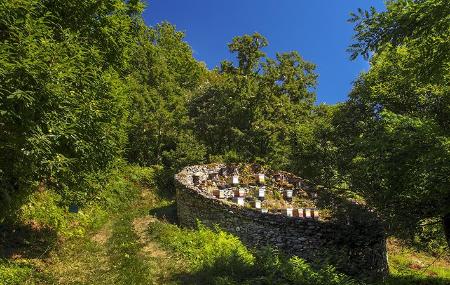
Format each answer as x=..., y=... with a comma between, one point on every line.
x=301, y=273
x=111, y=192
x=203, y=247
x=63, y=103
x=217, y=257
x=15, y=274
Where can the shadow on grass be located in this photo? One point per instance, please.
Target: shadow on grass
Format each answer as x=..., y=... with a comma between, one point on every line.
x=25, y=241
x=167, y=213
x=224, y=270
x=415, y=280
x=222, y=273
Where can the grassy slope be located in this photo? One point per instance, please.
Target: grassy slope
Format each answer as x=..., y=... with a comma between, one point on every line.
x=408, y=266
x=131, y=247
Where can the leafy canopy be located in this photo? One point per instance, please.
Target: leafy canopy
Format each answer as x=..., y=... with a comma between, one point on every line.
x=393, y=132
x=250, y=111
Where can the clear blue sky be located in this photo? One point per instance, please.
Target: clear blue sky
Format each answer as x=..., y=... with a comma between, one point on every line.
x=317, y=29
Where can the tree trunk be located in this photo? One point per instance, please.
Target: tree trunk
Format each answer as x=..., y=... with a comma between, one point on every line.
x=446, y=222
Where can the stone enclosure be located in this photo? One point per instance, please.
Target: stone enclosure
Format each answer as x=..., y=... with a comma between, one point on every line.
x=347, y=235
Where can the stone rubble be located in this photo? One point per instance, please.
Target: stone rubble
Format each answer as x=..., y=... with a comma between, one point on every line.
x=352, y=239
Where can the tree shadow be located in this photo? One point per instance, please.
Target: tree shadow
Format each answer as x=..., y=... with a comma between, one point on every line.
x=165, y=183
x=167, y=213
x=415, y=280
x=26, y=241
x=224, y=270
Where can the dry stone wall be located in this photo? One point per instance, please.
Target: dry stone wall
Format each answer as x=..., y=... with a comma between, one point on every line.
x=353, y=240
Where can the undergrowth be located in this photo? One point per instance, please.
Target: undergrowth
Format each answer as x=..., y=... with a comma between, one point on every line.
x=99, y=245
x=216, y=257
x=44, y=225
x=409, y=266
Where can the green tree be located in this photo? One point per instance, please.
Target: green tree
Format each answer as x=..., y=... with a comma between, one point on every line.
x=314, y=152
x=164, y=79
x=251, y=111
x=248, y=49
x=393, y=133
x=63, y=78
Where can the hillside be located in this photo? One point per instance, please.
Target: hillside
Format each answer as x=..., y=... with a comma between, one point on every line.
x=100, y=110
x=138, y=242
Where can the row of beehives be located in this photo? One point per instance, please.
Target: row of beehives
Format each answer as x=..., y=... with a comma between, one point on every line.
x=239, y=195
x=290, y=212
x=243, y=192
x=234, y=180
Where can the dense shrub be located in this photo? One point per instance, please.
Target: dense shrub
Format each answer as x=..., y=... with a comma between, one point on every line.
x=63, y=104
x=82, y=84
x=217, y=257
x=13, y=273
x=115, y=191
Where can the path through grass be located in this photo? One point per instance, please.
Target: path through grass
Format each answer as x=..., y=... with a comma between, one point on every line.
x=119, y=252
x=139, y=244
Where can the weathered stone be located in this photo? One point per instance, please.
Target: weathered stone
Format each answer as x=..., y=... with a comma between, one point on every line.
x=353, y=240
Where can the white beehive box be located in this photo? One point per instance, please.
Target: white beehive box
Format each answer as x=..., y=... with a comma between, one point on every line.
x=239, y=201
x=315, y=214
x=235, y=180
x=308, y=213
x=289, y=193
x=288, y=212
x=261, y=178
x=261, y=192
x=299, y=213
x=257, y=204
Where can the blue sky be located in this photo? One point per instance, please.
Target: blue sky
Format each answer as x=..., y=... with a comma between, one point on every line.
x=317, y=29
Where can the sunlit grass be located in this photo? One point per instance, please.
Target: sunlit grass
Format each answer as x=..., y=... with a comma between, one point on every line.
x=409, y=266
x=160, y=252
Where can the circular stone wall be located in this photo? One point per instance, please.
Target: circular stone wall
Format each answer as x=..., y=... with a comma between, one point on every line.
x=351, y=238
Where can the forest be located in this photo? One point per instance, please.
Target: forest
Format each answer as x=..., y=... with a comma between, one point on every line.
x=97, y=107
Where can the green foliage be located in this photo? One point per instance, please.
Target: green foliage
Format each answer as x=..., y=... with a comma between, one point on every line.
x=144, y=176
x=430, y=237
x=404, y=19
x=204, y=247
x=314, y=153
x=393, y=134
x=216, y=257
x=165, y=76
x=248, y=49
x=64, y=104
x=82, y=84
x=14, y=274
x=254, y=109
x=408, y=266
x=299, y=272
x=115, y=191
